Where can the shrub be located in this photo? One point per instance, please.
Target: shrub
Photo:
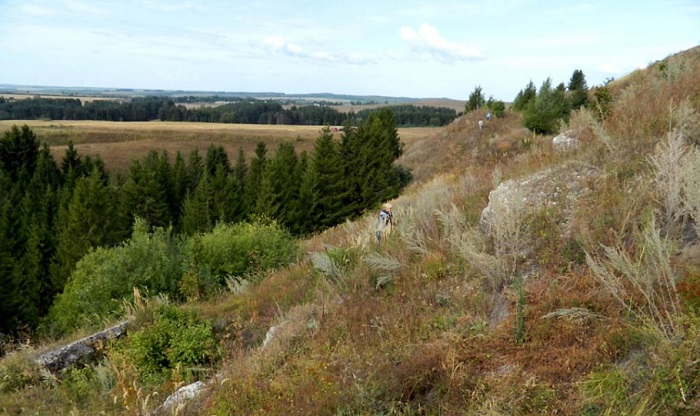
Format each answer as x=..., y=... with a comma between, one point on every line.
x=18, y=370
x=149, y=261
x=175, y=339
x=240, y=249
x=643, y=282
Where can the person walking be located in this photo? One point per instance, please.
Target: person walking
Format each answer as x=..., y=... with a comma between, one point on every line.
x=384, y=222
x=481, y=124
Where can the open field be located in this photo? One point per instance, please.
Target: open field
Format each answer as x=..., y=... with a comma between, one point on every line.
x=118, y=143
x=457, y=105
x=82, y=98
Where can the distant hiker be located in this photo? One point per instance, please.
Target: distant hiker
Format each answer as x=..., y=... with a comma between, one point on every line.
x=481, y=124
x=488, y=116
x=384, y=222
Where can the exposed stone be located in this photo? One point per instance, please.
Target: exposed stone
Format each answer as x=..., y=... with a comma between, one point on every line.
x=182, y=395
x=560, y=187
x=80, y=350
x=565, y=142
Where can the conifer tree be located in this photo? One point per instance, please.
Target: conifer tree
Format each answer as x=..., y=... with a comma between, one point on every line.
x=71, y=164
x=89, y=221
x=323, y=187
x=255, y=176
x=144, y=196
x=180, y=187
x=542, y=114
x=19, y=151
x=578, y=90
x=217, y=156
x=240, y=170
x=198, y=209
x=279, y=187
x=524, y=97
x=195, y=168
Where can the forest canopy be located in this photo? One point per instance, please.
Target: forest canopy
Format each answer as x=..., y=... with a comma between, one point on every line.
x=55, y=215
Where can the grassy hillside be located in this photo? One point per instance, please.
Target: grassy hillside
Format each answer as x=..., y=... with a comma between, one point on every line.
x=577, y=294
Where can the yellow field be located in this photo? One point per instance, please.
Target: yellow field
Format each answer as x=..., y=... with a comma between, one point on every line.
x=118, y=143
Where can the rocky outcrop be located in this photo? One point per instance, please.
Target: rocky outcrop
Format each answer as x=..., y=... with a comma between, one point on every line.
x=79, y=351
x=565, y=142
x=559, y=187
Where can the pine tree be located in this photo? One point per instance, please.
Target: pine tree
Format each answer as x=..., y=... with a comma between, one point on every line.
x=322, y=189
x=255, y=176
x=542, y=114
x=71, y=164
x=144, y=195
x=279, y=188
x=195, y=168
x=578, y=90
x=240, y=170
x=217, y=157
x=476, y=100
x=180, y=188
x=524, y=97
x=198, y=209
x=89, y=221
x=19, y=151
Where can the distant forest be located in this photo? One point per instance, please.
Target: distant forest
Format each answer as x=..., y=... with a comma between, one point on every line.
x=247, y=110
x=52, y=213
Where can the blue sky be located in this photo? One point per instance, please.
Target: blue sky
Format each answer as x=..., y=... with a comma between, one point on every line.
x=428, y=48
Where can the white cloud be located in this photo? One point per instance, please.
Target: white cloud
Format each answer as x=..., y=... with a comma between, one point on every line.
x=278, y=44
x=428, y=42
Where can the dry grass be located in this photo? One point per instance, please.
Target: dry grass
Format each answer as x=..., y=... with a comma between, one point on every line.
x=118, y=143
x=425, y=341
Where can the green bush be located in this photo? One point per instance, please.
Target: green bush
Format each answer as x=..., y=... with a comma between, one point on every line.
x=104, y=276
x=239, y=249
x=18, y=370
x=175, y=339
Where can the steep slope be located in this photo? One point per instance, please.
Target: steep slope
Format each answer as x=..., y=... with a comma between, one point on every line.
x=576, y=293
x=448, y=318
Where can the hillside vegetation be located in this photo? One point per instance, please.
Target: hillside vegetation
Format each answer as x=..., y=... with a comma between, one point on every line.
x=576, y=291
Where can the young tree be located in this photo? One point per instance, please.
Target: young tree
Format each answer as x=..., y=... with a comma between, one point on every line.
x=578, y=90
x=497, y=107
x=542, y=114
x=255, y=176
x=524, y=97
x=476, y=100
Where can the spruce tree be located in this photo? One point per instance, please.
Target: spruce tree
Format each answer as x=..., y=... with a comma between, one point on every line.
x=255, y=176
x=19, y=151
x=542, y=114
x=279, y=187
x=90, y=221
x=240, y=172
x=217, y=157
x=323, y=187
x=578, y=90
x=144, y=194
x=198, y=209
x=524, y=97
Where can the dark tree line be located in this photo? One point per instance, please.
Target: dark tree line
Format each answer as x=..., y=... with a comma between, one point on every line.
x=54, y=212
x=249, y=111
x=136, y=109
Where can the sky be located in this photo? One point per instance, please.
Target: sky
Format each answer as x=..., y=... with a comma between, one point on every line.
x=401, y=48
